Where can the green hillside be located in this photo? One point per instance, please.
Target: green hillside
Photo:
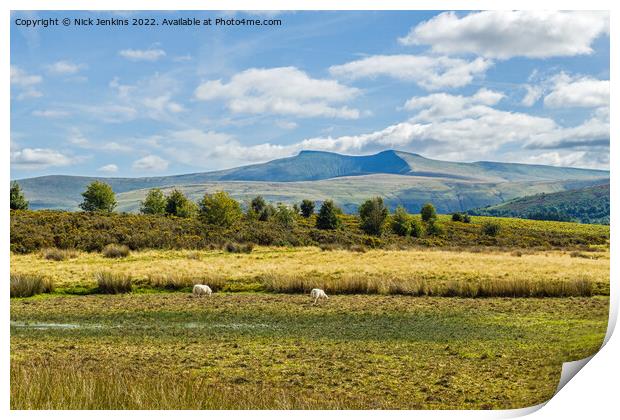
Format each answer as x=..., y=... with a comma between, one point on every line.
x=585, y=205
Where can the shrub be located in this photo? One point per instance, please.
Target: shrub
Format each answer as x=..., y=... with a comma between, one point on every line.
x=466, y=218
x=18, y=201
x=115, y=251
x=372, y=216
x=235, y=248
x=154, y=203
x=177, y=204
x=113, y=283
x=401, y=222
x=428, y=212
x=433, y=228
x=25, y=285
x=98, y=197
x=58, y=254
x=457, y=217
x=358, y=248
x=266, y=213
x=328, y=216
x=491, y=228
x=416, y=229
x=284, y=216
x=220, y=209
x=307, y=208
x=258, y=204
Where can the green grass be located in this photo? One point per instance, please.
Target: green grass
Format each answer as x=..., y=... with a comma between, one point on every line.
x=246, y=350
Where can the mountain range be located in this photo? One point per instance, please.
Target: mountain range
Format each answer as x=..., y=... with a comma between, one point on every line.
x=402, y=178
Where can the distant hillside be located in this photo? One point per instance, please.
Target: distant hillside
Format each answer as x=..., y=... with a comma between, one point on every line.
x=585, y=205
x=411, y=178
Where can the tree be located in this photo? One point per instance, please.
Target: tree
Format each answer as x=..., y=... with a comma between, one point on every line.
x=177, y=204
x=372, y=216
x=18, y=201
x=258, y=204
x=428, y=212
x=154, y=203
x=401, y=222
x=416, y=229
x=98, y=197
x=328, y=216
x=220, y=209
x=307, y=208
x=267, y=212
x=284, y=216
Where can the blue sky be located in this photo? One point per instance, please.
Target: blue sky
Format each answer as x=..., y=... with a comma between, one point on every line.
x=528, y=87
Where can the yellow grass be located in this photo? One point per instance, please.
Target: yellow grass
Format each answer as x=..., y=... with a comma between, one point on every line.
x=330, y=266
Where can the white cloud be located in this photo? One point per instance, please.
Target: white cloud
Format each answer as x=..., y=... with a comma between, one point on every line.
x=506, y=34
x=152, y=54
x=584, y=92
x=110, y=168
x=150, y=97
x=64, y=67
x=78, y=139
x=429, y=72
x=35, y=158
x=150, y=163
x=25, y=83
x=286, y=125
x=50, y=113
x=532, y=95
x=282, y=91
x=20, y=78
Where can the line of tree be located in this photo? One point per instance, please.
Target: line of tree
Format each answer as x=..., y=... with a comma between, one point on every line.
x=221, y=209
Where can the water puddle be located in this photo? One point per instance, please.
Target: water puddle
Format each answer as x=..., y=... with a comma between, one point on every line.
x=189, y=325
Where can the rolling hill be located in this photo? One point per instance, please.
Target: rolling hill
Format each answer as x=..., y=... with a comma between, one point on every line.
x=585, y=205
x=402, y=178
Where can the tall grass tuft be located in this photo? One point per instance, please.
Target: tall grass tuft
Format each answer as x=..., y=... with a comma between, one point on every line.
x=235, y=248
x=56, y=254
x=25, y=285
x=113, y=283
x=115, y=251
x=45, y=385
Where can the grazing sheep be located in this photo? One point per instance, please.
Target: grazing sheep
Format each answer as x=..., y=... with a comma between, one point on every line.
x=318, y=294
x=201, y=290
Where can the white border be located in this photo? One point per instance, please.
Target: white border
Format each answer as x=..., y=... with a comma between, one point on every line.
x=594, y=391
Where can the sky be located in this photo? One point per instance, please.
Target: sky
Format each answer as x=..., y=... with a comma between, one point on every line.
x=129, y=101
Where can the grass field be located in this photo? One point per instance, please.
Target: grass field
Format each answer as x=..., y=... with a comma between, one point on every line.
x=415, y=326
x=277, y=351
x=299, y=269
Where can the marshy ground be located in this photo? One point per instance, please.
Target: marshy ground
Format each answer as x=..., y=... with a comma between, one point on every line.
x=260, y=350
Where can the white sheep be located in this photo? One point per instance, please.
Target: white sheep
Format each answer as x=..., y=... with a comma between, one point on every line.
x=318, y=294
x=201, y=290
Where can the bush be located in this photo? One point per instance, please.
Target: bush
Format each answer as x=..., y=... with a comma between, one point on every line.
x=235, y=248
x=491, y=228
x=328, y=216
x=113, y=283
x=466, y=218
x=258, y=204
x=284, y=216
x=428, y=212
x=56, y=254
x=307, y=208
x=154, y=203
x=18, y=201
x=457, y=217
x=98, y=197
x=25, y=285
x=177, y=204
x=416, y=229
x=372, y=216
x=266, y=213
x=433, y=228
x=401, y=222
x=115, y=251
x=220, y=209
